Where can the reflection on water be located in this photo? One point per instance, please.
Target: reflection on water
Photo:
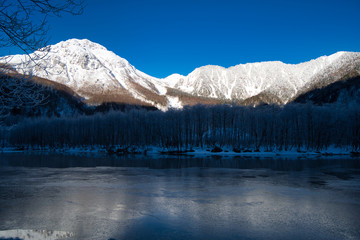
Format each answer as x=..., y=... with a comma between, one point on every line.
x=101, y=197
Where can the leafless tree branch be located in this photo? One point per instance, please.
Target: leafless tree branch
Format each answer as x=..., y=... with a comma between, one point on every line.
x=23, y=24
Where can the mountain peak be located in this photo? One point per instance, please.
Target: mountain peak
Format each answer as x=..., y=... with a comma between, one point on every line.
x=83, y=43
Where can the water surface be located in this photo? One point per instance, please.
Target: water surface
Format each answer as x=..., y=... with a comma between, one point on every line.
x=139, y=197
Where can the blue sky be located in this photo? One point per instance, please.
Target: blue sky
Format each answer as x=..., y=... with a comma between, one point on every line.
x=161, y=37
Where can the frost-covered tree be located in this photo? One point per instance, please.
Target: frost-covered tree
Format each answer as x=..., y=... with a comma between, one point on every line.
x=244, y=128
x=17, y=93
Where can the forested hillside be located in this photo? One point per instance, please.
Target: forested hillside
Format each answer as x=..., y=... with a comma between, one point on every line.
x=31, y=97
x=343, y=92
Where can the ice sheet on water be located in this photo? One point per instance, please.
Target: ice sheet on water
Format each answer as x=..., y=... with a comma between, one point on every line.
x=34, y=234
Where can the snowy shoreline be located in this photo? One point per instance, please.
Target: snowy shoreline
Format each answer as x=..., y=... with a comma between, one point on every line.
x=194, y=152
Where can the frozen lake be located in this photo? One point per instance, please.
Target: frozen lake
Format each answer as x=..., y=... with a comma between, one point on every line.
x=101, y=197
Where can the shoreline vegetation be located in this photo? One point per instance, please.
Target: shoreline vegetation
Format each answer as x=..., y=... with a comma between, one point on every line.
x=196, y=152
x=221, y=129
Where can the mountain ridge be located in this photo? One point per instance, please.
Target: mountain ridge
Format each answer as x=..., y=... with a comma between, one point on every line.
x=99, y=76
x=251, y=79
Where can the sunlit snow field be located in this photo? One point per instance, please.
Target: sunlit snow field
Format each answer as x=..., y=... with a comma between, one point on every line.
x=51, y=196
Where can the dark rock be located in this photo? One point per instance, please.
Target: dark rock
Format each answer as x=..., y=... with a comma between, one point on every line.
x=355, y=154
x=216, y=149
x=237, y=150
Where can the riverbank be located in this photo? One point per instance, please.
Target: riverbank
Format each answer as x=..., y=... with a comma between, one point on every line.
x=196, y=151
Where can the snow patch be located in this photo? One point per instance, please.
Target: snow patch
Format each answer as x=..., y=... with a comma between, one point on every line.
x=174, y=102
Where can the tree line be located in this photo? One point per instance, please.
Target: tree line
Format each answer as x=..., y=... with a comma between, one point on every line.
x=269, y=127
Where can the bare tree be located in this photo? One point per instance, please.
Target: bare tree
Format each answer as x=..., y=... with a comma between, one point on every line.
x=23, y=24
x=17, y=92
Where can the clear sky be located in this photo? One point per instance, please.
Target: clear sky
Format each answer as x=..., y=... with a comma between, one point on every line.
x=161, y=37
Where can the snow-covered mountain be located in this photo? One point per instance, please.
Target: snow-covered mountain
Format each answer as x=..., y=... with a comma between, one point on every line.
x=100, y=75
x=92, y=72
x=285, y=81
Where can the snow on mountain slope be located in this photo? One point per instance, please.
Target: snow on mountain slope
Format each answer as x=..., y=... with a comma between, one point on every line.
x=91, y=70
x=99, y=76
x=248, y=80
